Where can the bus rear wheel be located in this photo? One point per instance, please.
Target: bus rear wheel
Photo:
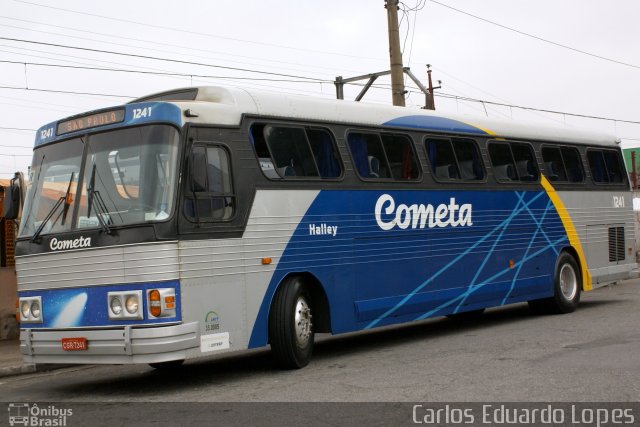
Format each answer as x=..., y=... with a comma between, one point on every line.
x=567, y=281
x=291, y=325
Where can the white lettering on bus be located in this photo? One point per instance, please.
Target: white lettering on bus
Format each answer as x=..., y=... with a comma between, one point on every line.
x=421, y=216
x=80, y=242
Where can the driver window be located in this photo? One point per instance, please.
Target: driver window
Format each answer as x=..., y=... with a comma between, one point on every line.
x=209, y=195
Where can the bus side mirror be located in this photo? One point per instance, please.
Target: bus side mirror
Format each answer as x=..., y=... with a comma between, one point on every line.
x=12, y=196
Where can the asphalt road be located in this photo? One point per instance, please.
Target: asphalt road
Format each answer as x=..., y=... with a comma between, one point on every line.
x=508, y=355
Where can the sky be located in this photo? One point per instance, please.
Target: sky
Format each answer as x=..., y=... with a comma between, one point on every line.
x=576, y=57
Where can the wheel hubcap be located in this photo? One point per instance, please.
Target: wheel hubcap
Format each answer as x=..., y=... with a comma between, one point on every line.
x=568, y=282
x=303, y=322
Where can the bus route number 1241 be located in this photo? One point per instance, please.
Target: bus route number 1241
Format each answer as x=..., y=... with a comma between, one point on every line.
x=139, y=113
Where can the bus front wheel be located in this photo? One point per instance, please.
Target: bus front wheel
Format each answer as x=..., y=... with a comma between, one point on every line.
x=567, y=281
x=291, y=325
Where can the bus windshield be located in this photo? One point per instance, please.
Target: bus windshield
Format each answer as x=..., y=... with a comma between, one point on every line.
x=128, y=177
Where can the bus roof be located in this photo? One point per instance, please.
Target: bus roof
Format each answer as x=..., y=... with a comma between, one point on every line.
x=238, y=102
x=227, y=106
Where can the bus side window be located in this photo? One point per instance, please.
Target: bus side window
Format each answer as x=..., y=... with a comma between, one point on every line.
x=573, y=164
x=614, y=166
x=469, y=161
x=368, y=155
x=525, y=162
x=455, y=159
x=606, y=166
x=597, y=166
x=553, y=164
x=286, y=152
x=402, y=159
x=504, y=168
x=443, y=161
x=209, y=196
x=513, y=162
x=324, y=151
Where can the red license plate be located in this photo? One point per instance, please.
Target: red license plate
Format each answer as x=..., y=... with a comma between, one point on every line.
x=74, y=344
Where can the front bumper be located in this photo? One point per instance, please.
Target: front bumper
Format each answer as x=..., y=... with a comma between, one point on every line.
x=124, y=345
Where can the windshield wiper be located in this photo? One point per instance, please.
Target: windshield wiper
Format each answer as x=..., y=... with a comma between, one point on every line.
x=67, y=200
x=101, y=207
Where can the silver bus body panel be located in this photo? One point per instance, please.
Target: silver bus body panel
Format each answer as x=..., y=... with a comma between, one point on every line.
x=228, y=276
x=593, y=213
x=148, y=262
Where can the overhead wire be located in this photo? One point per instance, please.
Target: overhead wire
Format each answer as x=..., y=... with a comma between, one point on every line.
x=159, y=73
x=184, y=31
x=154, y=58
x=542, y=39
x=182, y=47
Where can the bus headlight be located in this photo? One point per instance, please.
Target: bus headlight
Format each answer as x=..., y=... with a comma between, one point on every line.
x=132, y=304
x=31, y=310
x=35, y=310
x=124, y=305
x=116, y=306
x=25, y=309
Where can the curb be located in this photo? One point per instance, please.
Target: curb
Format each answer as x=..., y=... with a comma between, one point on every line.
x=30, y=368
x=9, y=371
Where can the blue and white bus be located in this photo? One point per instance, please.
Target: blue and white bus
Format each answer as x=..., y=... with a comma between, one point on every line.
x=203, y=221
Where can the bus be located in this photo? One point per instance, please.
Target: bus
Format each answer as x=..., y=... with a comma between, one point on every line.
x=208, y=220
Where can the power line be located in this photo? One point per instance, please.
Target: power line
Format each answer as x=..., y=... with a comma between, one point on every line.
x=65, y=92
x=20, y=129
x=177, y=61
x=182, y=30
x=564, y=46
x=157, y=73
x=586, y=116
x=182, y=47
x=192, y=80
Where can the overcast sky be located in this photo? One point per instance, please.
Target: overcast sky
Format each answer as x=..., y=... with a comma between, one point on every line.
x=573, y=56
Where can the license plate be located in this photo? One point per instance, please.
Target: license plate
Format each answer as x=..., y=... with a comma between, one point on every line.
x=74, y=344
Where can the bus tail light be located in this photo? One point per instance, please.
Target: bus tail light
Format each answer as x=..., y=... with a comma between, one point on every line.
x=161, y=302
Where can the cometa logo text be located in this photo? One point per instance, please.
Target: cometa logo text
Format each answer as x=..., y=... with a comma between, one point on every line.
x=421, y=216
x=80, y=242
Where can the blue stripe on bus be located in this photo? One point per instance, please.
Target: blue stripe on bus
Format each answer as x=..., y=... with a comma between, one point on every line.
x=140, y=113
x=374, y=277
x=87, y=306
x=434, y=123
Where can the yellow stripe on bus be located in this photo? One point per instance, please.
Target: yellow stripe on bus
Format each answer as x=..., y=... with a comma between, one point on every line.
x=570, y=229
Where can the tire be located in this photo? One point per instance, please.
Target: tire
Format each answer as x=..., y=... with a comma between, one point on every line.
x=290, y=325
x=567, y=281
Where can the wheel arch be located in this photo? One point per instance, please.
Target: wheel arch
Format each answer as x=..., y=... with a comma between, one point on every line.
x=576, y=257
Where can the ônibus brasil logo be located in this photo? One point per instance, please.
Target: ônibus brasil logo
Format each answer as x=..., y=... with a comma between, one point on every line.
x=421, y=216
x=27, y=414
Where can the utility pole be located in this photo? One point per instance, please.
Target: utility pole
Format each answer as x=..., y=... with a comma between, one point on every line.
x=431, y=102
x=395, y=55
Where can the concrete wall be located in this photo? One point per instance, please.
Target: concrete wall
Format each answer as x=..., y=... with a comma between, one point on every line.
x=8, y=293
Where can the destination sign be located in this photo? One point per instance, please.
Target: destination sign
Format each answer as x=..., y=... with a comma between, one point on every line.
x=91, y=121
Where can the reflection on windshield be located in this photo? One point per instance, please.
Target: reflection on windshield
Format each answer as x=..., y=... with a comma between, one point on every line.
x=49, y=181
x=128, y=178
